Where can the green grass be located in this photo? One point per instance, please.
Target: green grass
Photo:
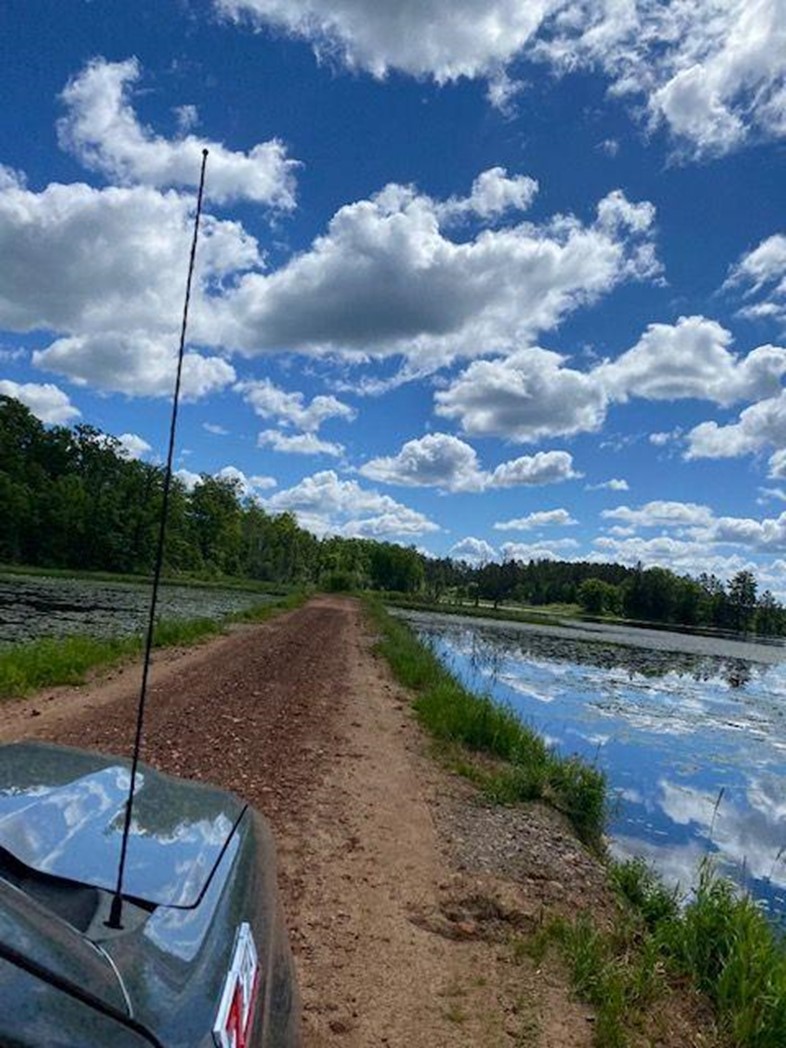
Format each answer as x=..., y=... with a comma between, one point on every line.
x=734, y=954
x=522, y=767
x=719, y=943
x=619, y=978
x=25, y=668
x=640, y=888
x=619, y=971
x=70, y=573
x=259, y=612
x=723, y=942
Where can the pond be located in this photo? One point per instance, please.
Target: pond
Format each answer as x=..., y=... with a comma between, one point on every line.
x=690, y=731
x=33, y=606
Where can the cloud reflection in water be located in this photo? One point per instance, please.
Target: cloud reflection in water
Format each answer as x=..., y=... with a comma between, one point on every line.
x=670, y=728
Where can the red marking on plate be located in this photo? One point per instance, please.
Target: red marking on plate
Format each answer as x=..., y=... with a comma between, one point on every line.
x=235, y=1016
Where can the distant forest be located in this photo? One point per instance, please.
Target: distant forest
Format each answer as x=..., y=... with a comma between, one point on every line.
x=71, y=498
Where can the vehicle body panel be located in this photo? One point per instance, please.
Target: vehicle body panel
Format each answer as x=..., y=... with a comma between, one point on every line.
x=61, y=813
x=70, y=1024
x=200, y=864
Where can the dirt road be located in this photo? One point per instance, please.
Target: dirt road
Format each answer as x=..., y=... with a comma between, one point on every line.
x=399, y=924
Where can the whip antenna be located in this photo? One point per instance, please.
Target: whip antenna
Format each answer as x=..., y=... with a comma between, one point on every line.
x=115, y=911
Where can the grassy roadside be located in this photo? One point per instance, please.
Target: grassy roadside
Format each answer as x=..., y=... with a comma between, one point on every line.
x=714, y=957
x=43, y=663
x=488, y=743
x=705, y=970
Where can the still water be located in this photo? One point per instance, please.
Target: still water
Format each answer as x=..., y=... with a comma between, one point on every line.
x=690, y=731
x=34, y=606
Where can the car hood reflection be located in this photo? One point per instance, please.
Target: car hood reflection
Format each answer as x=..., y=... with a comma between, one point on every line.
x=61, y=813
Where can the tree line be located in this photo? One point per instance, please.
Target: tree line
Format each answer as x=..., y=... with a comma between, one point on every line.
x=652, y=594
x=72, y=498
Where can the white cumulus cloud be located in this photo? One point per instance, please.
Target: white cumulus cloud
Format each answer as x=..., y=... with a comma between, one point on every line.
x=298, y=443
x=271, y=402
x=493, y=193
x=526, y=551
x=102, y=269
x=102, y=130
x=712, y=73
x=532, y=394
x=135, y=364
x=544, y=467
x=614, y=484
x=188, y=478
x=683, y=556
x=327, y=505
x=692, y=359
x=386, y=279
x=757, y=427
x=761, y=274
x=473, y=550
x=527, y=396
x=544, y=518
x=762, y=536
x=692, y=538
x=105, y=269
x=444, y=39
x=778, y=465
x=444, y=461
x=246, y=486
x=436, y=460
x=46, y=401
x=661, y=513
x=133, y=446
x=79, y=260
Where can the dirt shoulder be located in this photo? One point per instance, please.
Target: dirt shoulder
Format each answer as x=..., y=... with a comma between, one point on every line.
x=401, y=891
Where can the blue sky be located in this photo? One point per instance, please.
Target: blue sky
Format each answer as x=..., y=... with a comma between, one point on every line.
x=490, y=278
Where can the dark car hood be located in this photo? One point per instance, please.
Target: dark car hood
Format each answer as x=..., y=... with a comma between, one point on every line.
x=61, y=813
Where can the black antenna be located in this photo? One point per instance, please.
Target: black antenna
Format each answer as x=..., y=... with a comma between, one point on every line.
x=117, y=900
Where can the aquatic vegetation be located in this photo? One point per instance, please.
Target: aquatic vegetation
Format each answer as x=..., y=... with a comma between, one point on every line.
x=25, y=668
x=34, y=606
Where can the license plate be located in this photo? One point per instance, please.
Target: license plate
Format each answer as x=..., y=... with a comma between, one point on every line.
x=235, y=1016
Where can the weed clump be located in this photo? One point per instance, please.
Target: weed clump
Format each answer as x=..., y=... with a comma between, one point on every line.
x=725, y=942
x=637, y=884
x=718, y=941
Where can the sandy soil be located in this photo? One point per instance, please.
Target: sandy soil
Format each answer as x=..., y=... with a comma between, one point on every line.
x=401, y=893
